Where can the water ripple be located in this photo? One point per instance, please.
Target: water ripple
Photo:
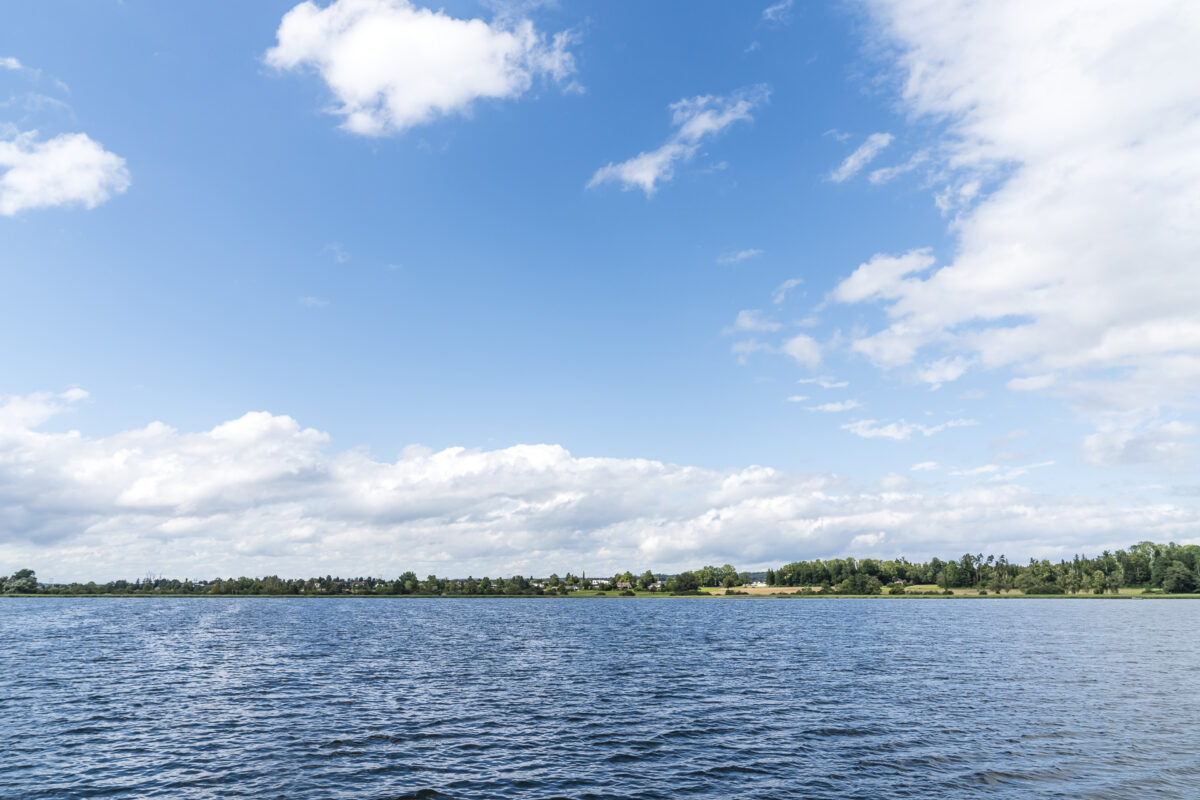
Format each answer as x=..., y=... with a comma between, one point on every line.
x=594, y=699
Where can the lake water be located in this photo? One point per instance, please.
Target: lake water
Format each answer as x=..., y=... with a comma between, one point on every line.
x=589, y=699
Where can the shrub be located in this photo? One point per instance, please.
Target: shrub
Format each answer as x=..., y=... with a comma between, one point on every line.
x=628, y=593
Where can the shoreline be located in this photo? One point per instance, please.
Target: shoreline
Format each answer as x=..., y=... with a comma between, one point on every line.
x=644, y=596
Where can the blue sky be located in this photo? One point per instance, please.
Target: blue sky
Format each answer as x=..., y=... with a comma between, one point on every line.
x=298, y=213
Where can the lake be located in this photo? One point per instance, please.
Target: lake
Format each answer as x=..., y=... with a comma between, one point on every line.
x=598, y=698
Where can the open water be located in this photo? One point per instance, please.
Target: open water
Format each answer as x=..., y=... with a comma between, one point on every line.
x=609, y=698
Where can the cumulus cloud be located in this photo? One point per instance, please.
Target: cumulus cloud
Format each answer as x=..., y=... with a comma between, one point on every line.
x=866, y=152
x=695, y=120
x=804, y=349
x=883, y=277
x=1071, y=163
x=944, y=370
x=900, y=431
x=924, y=466
x=738, y=255
x=392, y=65
x=263, y=494
x=68, y=170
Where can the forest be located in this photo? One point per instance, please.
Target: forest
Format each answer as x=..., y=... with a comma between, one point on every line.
x=1153, y=568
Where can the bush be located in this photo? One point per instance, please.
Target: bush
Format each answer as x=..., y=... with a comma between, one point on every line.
x=736, y=591
x=599, y=594
x=1044, y=588
x=983, y=591
x=628, y=593
x=897, y=589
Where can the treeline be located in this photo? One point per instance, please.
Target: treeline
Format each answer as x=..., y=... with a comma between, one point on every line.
x=1169, y=568
x=25, y=582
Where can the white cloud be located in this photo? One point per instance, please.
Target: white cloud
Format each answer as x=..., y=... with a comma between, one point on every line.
x=739, y=255
x=900, y=431
x=995, y=472
x=841, y=405
x=944, y=370
x=986, y=469
x=804, y=349
x=867, y=541
x=1071, y=159
x=1167, y=444
x=780, y=13
x=392, y=65
x=797, y=398
x=70, y=169
x=262, y=494
x=924, y=466
x=8, y=62
x=695, y=120
x=867, y=151
x=826, y=382
x=886, y=174
x=1031, y=384
x=746, y=347
x=782, y=290
x=883, y=277
x=752, y=320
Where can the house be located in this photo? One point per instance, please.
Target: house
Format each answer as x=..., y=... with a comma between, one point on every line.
x=757, y=584
x=624, y=585
x=598, y=583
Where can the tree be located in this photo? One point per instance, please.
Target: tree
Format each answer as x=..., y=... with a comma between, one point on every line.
x=647, y=580
x=1177, y=579
x=684, y=582
x=23, y=581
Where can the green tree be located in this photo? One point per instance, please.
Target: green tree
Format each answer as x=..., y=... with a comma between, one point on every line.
x=1176, y=579
x=684, y=582
x=23, y=581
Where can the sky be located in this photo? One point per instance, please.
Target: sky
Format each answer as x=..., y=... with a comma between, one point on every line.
x=363, y=286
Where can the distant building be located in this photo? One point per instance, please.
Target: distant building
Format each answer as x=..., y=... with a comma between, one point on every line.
x=624, y=585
